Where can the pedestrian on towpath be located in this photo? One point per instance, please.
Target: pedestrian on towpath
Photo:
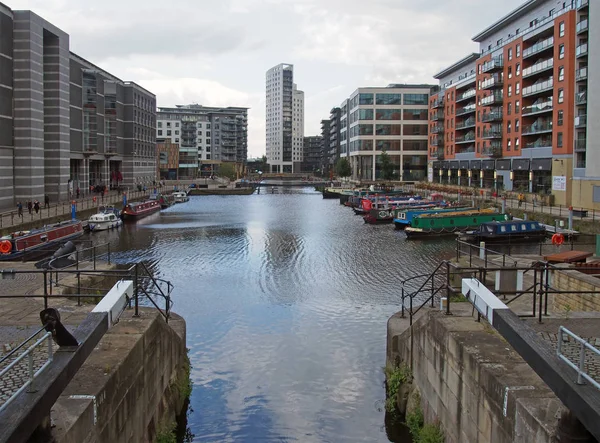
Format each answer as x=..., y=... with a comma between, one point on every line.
x=20, y=209
x=46, y=201
x=36, y=206
x=29, y=206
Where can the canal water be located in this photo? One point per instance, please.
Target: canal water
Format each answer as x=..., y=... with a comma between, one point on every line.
x=286, y=298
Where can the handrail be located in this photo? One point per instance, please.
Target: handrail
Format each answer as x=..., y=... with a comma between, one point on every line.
x=31, y=337
x=580, y=368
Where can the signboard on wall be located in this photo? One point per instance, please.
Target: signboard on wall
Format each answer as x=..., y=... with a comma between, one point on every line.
x=430, y=174
x=559, y=183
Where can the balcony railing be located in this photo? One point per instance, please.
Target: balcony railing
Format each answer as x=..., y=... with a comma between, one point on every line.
x=465, y=138
x=544, y=142
x=538, y=108
x=581, y=50
x=538, y=47
x=438, y=153
x=493, y=64
x=581, y=98
x=580, y=145
x=437, y=129
x=494, y=150
x=494, y=132
x=538, y=87
x=466, y=110
x=538, y=67
x=437, y=141
x=582, y=3
x=438, y=102
x=493, y=116
x=537, y=128
x=582, y=26
x=437, y=116
x=495, y=98
x=466, y=95
x=495, y=81
x=581, y=121
x=468, y=123
x=581, y=74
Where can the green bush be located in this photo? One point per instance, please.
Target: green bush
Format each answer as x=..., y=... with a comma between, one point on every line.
x=395, y=377
x=414, y=421
x=430, y=434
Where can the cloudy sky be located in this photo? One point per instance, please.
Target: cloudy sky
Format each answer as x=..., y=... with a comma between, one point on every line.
x=216, y=53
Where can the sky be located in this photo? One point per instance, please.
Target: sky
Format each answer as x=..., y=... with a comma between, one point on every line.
x=216, y=53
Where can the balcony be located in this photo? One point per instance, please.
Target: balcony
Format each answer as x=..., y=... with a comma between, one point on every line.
x=582, y=26
x=495, y=64
x=581, y=74
x=538, y=108
x=581, y=50
x=495, y=99
x=437, y=129
x=469, y=109
x=468, y=123
x=538, y=47
x=437, y=116
x=544, y=142
x=580, y=145
x=582, y=4
x=464, y=149
x=493, y=132
x=538, y=88
x=495, y=81
x=438, y=102
x=466, y=95
x=467, y=138
x=494, y=116
x=581, y=98
x=581, y=121
x=538, y=67
x=437, y=141
x=539, y=127
x=438, y=154
x=494, y=150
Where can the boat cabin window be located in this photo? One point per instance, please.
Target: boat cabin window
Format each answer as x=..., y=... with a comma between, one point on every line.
x=533, y=226
x=524, y=227
x=513, y=228
x=489, y=229
x=502, y=228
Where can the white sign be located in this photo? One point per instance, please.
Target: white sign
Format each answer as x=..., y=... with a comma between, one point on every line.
x=430, y=174
x=559, y=183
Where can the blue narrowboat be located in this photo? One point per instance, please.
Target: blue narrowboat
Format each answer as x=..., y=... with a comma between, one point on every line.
x=507, y=231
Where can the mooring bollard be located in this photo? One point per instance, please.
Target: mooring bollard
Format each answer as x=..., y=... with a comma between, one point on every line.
x=482, y=250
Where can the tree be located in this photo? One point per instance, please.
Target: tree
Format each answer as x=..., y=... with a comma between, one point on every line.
x=227, y=169
x=264, y=166
x=387, y=167
x=343, y=168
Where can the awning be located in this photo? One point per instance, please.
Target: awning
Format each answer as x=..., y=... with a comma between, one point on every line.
x=475, y=164
x=454, y=165
x=520, y=164
x=503, y=164
x=464, y=164
x=437, y=165
x=488, y=165
x=541, y=164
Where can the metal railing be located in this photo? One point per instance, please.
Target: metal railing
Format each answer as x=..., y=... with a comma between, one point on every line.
x=31, y=372
x=582, y=374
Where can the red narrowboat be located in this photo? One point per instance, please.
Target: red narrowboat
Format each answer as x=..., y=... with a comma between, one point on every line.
x=133, y=211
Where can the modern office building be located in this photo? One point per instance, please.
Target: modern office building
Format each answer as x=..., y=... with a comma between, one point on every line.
x=167, y=164
x=206, y=136
x=284, y=120
x=312, y=154
x=64, y=122
x=518, y=115
x=391, y=119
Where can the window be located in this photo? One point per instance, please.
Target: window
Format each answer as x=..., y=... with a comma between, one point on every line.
x=199, y=125
x=510, y=90
x=160, y=132
x=510, y=53
x=561, y=95
x=415, y=99
x=389, y=129
x=517, y=123
x=509, y=145
x=176, y=132
x=518, y=50
x=561, y=51
x=160, y=124
x=199, y=132
x=509, y=109
x=517, y=106
x=517, y=88
x=388, y=99
x=516, y=144
x=414, y=114
x=508, y=127
x=388, y=114
x=498, y=42
x=561, y=29
x=559, y=140
x=364, y=129
x=168, y=132
x=518, y=69
x=177, y=124
x=365, y=99
x=510, y=72
x=561, y=73
x=176, y=140
x=561, y=115
x=365, y=114
x=168, y=124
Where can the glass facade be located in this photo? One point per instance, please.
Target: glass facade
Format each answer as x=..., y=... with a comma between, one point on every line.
x=415, y=145
x=389, y=114
x=388, y=145
x=414, y=130
x=389, y=99
x=365, y=114
x=365, y=99
x=416, y=99
x=415, y=114
x=365, y=129
x=388, y=129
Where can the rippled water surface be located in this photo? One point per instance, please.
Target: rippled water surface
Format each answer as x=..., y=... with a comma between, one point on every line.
x=286, y=298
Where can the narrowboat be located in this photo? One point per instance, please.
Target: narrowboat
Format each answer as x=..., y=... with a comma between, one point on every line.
x=163, y=200
x=403, y=217
x=332, y=193
x=381, y=216
x=430, y=225
x=106, y=218
x=134, y=211
x=384, y=203
x=180, y=197
x=37, y=243
x=507, y=231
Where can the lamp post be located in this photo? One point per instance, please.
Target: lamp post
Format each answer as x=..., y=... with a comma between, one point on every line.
x=470, y=175
x=440, y=174
x=531, y=181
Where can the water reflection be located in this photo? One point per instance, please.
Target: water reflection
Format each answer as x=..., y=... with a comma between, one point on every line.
x=286, y=298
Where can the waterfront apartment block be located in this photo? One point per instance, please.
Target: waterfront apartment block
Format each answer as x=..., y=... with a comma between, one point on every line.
x=390, y=119
x=517, y=115
x=312, y=154
x=206, y=136
x=65, y=123
x=284, y=123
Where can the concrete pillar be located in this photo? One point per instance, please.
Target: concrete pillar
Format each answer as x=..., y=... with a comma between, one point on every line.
x=570, y=218
x=374, y=167
x=482, y=250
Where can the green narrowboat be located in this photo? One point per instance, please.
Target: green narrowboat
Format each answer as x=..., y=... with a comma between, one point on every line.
x=437, y=225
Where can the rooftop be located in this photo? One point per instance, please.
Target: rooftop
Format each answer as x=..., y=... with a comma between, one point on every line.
x=508, y=19
x=458, y=65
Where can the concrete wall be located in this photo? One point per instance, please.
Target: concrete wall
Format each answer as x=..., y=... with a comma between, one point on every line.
x=575, y=280
x=133, y=376
x=473, y=382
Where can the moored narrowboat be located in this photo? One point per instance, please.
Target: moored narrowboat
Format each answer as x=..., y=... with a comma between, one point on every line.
x=133, y=211
x=403, y=217
x=507, y=232
x=430, y=225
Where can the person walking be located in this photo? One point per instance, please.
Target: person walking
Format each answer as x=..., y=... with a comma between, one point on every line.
x=46, y=201
x=36, y=206
x=20, y=209
x=29, y=206
x=521, y=198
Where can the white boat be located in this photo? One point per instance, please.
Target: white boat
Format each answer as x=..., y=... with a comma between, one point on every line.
x=180, y=197
x=107, y=218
